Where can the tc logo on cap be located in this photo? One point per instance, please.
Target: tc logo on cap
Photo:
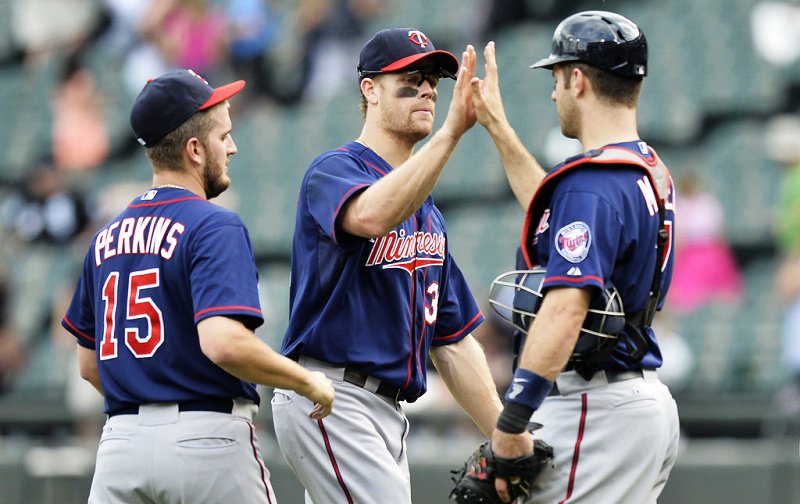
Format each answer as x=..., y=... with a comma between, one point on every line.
x=418, y=38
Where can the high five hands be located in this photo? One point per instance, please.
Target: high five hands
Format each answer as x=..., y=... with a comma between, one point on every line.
x=486, y=97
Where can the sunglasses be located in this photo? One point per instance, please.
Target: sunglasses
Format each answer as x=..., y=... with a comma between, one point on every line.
x=424, y=74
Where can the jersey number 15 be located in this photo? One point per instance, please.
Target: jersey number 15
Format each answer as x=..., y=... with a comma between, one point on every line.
x=137, y=306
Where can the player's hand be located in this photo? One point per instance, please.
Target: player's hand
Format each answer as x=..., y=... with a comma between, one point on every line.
x=461, y=114
x=320, y=391
x=486, y=96
x=509, y=446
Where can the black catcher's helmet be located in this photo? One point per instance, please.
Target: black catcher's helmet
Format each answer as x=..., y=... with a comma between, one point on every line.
x=602, y=39
x=517, y=295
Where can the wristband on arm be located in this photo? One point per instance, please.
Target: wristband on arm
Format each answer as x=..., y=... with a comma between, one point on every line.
x=526, y=393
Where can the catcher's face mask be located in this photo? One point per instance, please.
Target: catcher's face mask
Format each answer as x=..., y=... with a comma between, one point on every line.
x=517, y=295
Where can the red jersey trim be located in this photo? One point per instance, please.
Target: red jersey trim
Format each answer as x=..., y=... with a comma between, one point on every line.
x=227, y=308
x=77, y=331
x=374, y=167
x=461, y=331
x=158, y=203
x=574, y=279
x=371, y=165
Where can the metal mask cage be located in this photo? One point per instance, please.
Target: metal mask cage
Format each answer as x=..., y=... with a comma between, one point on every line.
x=517, y=295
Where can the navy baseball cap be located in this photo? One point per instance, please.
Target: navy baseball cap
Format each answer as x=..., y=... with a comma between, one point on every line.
x=394, y=49
x=168, y=101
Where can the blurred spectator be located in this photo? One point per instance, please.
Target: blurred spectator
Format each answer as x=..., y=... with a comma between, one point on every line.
x=12, y=356
x=788, y=288
x=42, y=27
x=253, y=28
x=705, y=269
x=43, y=210
x=781, y=141
x=127, y=38
x=190, y=33
x=80, y=136
x=334, y=32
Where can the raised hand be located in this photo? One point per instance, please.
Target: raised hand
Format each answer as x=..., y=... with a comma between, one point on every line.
x=461, y=114
x=487, y=101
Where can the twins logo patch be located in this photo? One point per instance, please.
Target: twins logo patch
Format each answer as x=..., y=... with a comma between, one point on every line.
x=573, y=241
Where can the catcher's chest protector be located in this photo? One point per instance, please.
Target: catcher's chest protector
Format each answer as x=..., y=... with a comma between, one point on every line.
x=657, y=172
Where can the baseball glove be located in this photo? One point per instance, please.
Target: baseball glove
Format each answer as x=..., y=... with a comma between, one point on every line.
x=474, y=483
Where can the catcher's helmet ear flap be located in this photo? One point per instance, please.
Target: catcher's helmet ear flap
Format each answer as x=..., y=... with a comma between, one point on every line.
x=602, y=39
x=517, y=295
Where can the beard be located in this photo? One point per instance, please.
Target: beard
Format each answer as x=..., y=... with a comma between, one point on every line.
x=215, y=181
x=570, y=119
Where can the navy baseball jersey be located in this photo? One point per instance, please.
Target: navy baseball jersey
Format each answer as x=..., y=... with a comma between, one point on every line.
x=600, y=226
x=168, y=261
x=375, y=304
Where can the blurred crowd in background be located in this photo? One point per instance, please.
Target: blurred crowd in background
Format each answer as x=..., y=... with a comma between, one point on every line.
x=293, y=53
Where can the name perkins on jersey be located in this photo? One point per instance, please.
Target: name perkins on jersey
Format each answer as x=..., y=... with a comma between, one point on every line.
x=391, y=250
x=138, y=235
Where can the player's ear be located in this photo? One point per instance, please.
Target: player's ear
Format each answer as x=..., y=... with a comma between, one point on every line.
x=194, y=150
x=368, y=90
x=579, y=81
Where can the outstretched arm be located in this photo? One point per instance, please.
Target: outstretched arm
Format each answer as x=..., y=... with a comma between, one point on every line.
x=396, y=196
x=464, y=370
x=524, y=173
x=237, y=350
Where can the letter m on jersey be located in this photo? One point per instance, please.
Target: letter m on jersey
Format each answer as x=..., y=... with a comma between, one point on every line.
x=650, y=198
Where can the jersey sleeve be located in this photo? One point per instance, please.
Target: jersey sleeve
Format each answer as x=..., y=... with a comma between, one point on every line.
x=79, y=320
x=224, y=277
x=458, y=312
x=583, y=242
x=330, y=184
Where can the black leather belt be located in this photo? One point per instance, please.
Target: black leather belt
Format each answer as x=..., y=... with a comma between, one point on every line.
x=611, y=377
x=359, y=379
x=216, y=405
